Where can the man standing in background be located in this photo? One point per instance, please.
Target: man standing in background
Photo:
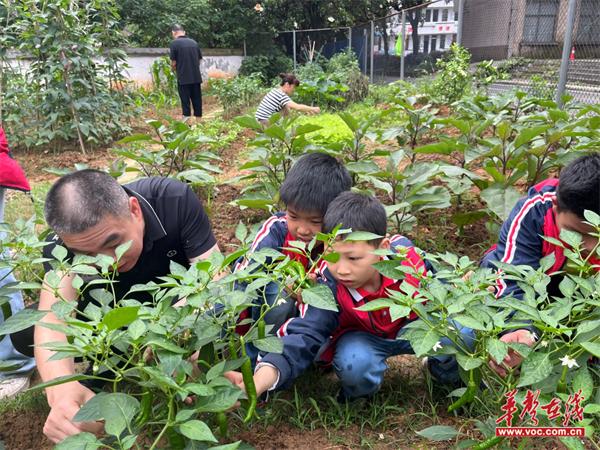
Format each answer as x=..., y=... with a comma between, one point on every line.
x=185, y=60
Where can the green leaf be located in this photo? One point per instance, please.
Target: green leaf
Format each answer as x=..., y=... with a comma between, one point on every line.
x=59, y=253
x=497, y=349
x=361, y=236
x=470, y=322
x=468, y=362
x=527, y=134
x=423, y=341
x=592, y=347
x=583, y=380
x=376, y=305
x=137, y=328
x=81, y=441
x=270, y=344
x=438, y=433
x=592, y=217
x=116, y=409
x=500, y=200
x=319, y=296
x=197, y=430
x=349, y=120
x=121, y=249
x=20, y=321
x=440, y=148
x=248, y=122
x=536, y=367
x=120, y=317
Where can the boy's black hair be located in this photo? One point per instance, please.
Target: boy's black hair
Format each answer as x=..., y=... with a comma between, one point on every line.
x=579, y=186
x=313, y=182
x=359, y=212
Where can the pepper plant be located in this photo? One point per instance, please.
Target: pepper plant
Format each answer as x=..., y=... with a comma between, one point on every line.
x=151, y=355
x=461, y=295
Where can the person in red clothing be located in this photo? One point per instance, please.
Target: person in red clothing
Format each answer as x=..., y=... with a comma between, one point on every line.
x=549, y=207
x=357, y=342
x=16, y=380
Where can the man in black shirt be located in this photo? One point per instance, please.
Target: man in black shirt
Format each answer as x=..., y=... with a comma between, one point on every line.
x=92, y=214
x=185, y=60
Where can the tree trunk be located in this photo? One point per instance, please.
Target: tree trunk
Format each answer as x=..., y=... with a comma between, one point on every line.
x=414, y=18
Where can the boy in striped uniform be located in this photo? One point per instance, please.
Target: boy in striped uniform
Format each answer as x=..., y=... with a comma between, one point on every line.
x=550, y=206
x=356, y=342
x=310, y=185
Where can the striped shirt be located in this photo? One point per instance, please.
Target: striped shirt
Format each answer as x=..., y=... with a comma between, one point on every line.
x=273, y=102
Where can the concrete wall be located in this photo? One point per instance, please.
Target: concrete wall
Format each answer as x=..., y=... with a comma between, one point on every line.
x=139, y=60
x=486, y=28
x=214, y=60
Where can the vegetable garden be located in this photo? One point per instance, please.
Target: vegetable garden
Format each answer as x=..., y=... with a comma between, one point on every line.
x=447, y=160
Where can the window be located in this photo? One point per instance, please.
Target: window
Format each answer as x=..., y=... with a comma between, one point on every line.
x=444, y=15
x=456, y=16
x=588, y=30
x=540, y=20
x=435, y=15
x=426, y=44
x=427, y=15
x=442, y=42
x=433, y=43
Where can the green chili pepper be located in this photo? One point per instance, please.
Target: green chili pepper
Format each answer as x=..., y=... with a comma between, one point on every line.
x=145, y=407
x=488, y=443
x=222, y=421
x=176, y=440
x=469, y=394
x=261, y=327
x=248, y=378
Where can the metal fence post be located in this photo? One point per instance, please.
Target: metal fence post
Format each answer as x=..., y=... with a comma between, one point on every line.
x=372, y=48
x=294, y=45
x=349, y=39
x=403, y=43
x=2, y=190
x=366, y=42
x=245, y=53
x=459, y=26
x=564, y=64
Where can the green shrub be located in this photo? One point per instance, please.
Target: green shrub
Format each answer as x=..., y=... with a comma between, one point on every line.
x=453, y=79
x=333, y=128
x=268, y=66
x=237, y=93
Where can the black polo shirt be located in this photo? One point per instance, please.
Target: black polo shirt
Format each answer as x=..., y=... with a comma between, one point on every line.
x=186, y=53
x=176, y=229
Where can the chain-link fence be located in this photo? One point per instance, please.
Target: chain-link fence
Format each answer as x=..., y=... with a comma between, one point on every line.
x=546, y=47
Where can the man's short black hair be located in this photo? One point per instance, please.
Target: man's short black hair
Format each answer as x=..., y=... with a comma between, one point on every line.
x=313, y=182
x=176, y=27
x=80, y=200
x=579, y=186
x=359, y=212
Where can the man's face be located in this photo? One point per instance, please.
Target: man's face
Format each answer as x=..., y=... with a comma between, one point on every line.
x=566, y=220
x=354, y=269
x=109, y=233
x=303, y=225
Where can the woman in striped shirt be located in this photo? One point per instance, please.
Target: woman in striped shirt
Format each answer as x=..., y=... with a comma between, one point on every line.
x=278, y=100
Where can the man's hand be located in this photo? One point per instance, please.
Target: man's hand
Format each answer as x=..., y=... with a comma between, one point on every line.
x=65, y=400
x=512, y=359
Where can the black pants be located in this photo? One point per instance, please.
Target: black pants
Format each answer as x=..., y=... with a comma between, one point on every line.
x=190, y=93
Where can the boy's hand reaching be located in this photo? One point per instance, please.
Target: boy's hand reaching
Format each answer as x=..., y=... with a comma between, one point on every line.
x=312, y=278
x=513, y=359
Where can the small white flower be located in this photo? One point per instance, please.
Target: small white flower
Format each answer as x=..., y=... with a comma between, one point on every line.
x=258, y=8
x=381, y=437
x=295, y=24
x=380, y=6
x=451, y=327
x=437, y=346
x=331, y=19
x=544, y=343
x=281, y=301
x=569, y=362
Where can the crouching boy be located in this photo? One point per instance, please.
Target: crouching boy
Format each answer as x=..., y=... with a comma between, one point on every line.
x=310, y=185
x=357, y=342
